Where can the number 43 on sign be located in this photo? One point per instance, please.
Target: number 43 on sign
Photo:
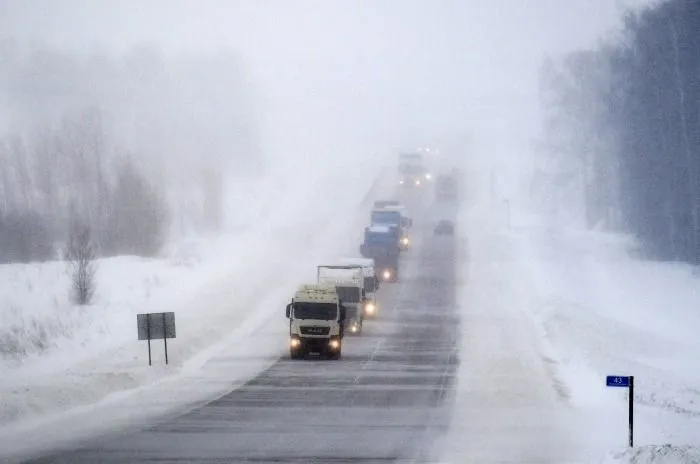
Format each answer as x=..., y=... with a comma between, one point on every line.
x=617, y=381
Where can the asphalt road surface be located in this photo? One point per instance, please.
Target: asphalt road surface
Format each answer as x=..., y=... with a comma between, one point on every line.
x=386, y=400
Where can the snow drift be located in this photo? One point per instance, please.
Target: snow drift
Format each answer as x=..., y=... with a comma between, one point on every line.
x=651, y=454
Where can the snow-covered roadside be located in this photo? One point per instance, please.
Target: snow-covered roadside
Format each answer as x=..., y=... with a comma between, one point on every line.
x=510, y=405
x=547, y=314
x=271, y=262
x=606, y=312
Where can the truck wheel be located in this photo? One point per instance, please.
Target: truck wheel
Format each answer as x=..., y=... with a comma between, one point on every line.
x=334, y=356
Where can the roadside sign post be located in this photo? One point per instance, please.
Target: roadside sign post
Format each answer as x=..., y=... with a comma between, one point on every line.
x=165, y=342
x=152, y=326
x=148, y=328
x=621, y=381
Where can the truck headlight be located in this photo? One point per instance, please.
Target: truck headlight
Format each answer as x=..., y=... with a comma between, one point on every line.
x=401, y=182
x=370, y=308
x=428, y=176
x=386, y=274
x=404, y=240
x=335, y=344
x=294, y=342
x=417, y=182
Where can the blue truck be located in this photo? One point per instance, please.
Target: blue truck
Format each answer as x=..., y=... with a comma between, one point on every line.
x=392, y=215
x=381, y=243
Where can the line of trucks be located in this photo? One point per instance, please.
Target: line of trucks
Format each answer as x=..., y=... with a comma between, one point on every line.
x=414, y=174
x=321, y=314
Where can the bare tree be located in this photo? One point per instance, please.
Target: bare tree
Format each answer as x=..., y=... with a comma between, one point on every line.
x=81, y=254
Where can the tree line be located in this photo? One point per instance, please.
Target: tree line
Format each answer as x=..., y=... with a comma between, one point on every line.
x=622, y=130
x=127, y=146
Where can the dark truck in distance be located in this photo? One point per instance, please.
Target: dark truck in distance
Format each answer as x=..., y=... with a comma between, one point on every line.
x=444, y=227
x=446, y=188
x=381, y=243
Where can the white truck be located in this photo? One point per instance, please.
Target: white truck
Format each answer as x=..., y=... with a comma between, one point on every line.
x=371, y=283
x=349, y=284
x=316, y=322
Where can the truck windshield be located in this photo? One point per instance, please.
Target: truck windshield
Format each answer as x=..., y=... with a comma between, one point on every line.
x=386, y=217
x=318, y=311
x=380, y=238
x=411, y=169
x=348, y=294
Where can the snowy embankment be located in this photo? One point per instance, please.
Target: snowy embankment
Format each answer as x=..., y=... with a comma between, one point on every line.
x=608, y=313
x=70, y=364
x=547, y=314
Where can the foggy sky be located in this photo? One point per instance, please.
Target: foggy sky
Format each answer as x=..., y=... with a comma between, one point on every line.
x=353, y=72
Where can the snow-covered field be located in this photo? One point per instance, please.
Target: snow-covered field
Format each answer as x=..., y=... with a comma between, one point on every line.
x=66, y=369
x=548, y=312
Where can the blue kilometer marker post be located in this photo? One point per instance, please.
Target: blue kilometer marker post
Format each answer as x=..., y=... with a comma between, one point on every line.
x=625, y=382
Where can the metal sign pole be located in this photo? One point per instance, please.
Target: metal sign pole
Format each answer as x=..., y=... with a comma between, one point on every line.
x=148, y=328
x=631, y=411
x=165, y=339
x=627, y=382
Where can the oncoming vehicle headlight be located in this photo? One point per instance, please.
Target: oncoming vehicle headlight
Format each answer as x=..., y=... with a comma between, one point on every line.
x=428, y=176
x=386, y=274
x=404, y=240
x=334, y=344
x=294, y=342
x=417, y=182
x=353, y=328
x=401, y=182
x=370, y=308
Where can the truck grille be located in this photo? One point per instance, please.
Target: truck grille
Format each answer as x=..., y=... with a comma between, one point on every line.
x=315, y=330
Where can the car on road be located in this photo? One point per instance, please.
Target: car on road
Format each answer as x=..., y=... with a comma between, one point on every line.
x=444, y=227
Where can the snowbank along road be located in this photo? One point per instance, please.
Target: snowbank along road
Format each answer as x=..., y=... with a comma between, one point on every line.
x=386, y=400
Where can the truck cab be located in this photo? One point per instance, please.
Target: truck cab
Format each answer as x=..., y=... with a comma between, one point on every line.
x=349, y=285
x=316, y=322
x=446, y=188
x=371, y=283
x=381, y=245
x=394, y=216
